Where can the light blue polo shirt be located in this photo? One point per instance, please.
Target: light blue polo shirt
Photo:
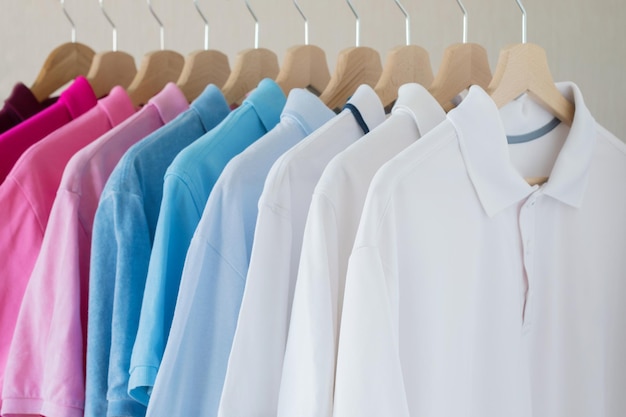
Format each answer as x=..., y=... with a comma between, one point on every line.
x=123, y=232
x=188, y=183
x=192, y=373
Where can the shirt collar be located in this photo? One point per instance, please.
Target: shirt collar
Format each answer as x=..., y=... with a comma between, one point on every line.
x=211, y=107
x=484, y=147
x=307, y=110
x=268, y=101
x=117, y=105
x=417, y=102
x=23, y=102
x=169, y=102
x=78, y=97
x=369, y=105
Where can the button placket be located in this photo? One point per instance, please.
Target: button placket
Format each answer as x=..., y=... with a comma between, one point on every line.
x=527, y=229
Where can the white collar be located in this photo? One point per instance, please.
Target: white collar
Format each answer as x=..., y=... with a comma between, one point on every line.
x=417, y=102
x=484, y=147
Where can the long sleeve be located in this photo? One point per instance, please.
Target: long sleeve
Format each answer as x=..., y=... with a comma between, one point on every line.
x=254, y=369
x=307, y=384
x=369, y=379
x=120, y=256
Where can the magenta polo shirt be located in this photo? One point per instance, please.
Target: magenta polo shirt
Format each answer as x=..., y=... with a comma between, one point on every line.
x=26, y=198
x=56, y=299
x=73, y=102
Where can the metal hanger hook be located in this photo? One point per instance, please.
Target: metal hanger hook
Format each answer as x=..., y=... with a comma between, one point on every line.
x=306, y=22
x=524, y=21
x=67, y=15
x=113, y=27
x=465, y=19
x=161, y=27
x=358, y=23
x=407, y=22
x=256, y=25
x=206, y=25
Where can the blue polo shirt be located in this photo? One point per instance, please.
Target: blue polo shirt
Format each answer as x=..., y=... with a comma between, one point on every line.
x=123, y=232
x=188, y=183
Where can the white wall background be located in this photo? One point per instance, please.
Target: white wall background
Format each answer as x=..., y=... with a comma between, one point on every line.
x=585, y=40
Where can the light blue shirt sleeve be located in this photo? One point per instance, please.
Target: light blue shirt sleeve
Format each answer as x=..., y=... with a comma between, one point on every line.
x=120, y=254
x=195, y=172
x=178, y=218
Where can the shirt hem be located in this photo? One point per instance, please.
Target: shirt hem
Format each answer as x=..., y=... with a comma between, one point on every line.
x=38, y=406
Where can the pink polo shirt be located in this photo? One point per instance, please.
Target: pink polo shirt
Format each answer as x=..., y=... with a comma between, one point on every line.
x=56, y=299
x=26, y=198
x=77, y=99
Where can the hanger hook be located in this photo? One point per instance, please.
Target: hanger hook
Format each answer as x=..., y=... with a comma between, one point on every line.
x=306, y=22
x=358, y=22
x=524, y=21
x=256, y=25
x=407, y=22
x=465, y=19
x=206, y=25
x=161, y=27
x=67, y=15
x=113, y=27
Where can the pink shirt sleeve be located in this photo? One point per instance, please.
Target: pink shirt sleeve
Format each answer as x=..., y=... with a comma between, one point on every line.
x=77, y=99
x=25, y=367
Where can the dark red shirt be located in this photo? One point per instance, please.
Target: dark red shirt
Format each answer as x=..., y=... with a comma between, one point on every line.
x=19, y=106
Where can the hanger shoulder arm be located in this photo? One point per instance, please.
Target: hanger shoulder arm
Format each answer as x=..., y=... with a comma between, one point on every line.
x=202, y=68
x=109, y=69
x=251, y=66
x=64, y=63
x=404, y=64
x=304, y=66
x=156, y=70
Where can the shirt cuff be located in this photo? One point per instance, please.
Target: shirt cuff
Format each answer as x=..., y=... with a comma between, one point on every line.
x=140, y=384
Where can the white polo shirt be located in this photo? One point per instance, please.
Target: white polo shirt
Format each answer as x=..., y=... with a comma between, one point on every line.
x=255, y=364
x=470, y=292
x=309, y=367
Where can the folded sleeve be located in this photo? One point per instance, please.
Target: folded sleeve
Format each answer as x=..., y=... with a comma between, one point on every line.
x=119, y=261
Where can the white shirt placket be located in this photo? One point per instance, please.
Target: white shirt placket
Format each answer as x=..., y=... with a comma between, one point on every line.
x=527, y=226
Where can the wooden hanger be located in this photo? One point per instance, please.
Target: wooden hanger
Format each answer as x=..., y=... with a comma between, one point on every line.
x=203, y=67
x=405, y=64
x=355, y=66
x=110, y=68
x=157, y=68
x=304, y=66
x=63, y=64
x=251, y=66
x=523, y=68
x=463, y=65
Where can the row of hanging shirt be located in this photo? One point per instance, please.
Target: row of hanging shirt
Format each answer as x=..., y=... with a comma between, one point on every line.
x=280, y=259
